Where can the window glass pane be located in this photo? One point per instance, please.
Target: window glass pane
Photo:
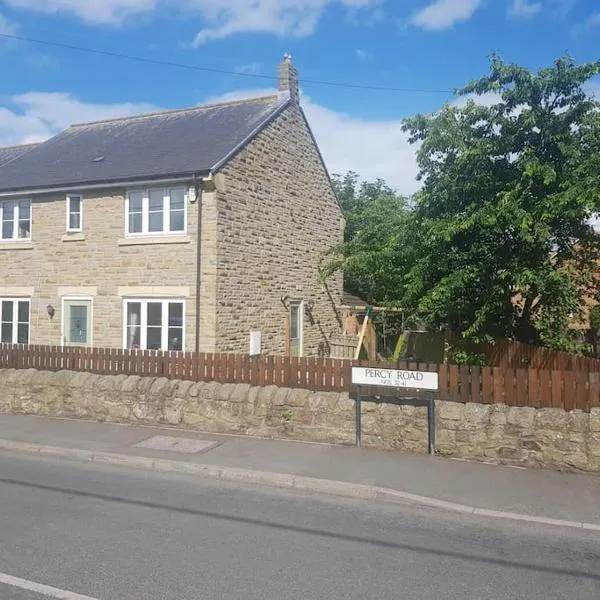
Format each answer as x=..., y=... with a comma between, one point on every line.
x=24, y=229
x=23, y=312
x=176, y=338
x=177, y=198
x=23, y=333
x=8, y=220
x=136, y=201
x=175, y=314
x=155, y=221
x=294, y=321
x=6, y=333
x=134, y=315
x=25, y=209
x=74, y=204
x=153, y=338
x=74, y=221
x=156, y=199
x=78, y=324
x=7, y=310
x=154, y=314
x=177, y=221
x=135, y=223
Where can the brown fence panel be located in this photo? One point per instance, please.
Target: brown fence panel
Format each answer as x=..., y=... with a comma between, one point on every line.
x=521, y=391
x=532, y=389
x=569, y=390
x=556, y=379
x=475, y=395
x=594, y=390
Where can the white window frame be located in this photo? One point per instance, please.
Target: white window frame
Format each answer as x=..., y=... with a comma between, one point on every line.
x=166, y=211
x=164, y=326
x=301, y=306
x=15, y=324
x=65, y=300
x=16, y=217
x=68, y=213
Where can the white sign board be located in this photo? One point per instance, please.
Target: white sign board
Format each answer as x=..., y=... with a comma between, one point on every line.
x=420, y=380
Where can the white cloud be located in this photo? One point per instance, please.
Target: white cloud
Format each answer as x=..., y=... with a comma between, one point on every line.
x=444, y=14
x=36, y=116
x=91, y=11
x=220, y=18
x=295, y=18
x=524, y=8
x=486, y=99
x=363, y=54
x=591, y=22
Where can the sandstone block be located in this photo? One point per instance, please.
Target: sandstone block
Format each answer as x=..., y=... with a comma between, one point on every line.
x=520, y=416
x=450, y=411
x=595, y=420
x=551, y=419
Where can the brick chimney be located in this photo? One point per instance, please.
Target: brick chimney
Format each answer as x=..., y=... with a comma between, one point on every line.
x=288, y=79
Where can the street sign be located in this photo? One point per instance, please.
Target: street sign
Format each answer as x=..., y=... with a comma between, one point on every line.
x=418, y=380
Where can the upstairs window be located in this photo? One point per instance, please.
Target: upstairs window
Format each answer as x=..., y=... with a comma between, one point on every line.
x=15, y=217
x=74, y=213
x=156, y=211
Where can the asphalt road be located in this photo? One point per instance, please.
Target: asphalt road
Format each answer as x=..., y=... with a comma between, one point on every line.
x=110, y=534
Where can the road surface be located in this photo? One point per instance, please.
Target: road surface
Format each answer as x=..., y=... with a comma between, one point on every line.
x=82, y=532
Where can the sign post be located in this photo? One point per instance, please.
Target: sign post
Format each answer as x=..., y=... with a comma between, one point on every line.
x=397, y=379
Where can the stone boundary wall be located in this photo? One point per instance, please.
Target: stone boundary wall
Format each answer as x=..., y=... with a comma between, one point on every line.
x=525, y=436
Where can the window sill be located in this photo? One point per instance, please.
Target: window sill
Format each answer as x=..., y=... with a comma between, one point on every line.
x=75, y=236
x=25, y=245
x=156, y=239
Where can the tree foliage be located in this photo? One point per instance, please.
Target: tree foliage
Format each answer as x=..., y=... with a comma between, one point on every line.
x=501, y=244
x=375, y=243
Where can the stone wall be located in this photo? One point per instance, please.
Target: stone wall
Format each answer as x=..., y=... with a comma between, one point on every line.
x=278, y=216
x=524, y=436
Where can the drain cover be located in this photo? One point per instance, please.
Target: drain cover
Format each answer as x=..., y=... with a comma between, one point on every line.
x=176, y=444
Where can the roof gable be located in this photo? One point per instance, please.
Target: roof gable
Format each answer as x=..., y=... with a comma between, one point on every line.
x=161, y=145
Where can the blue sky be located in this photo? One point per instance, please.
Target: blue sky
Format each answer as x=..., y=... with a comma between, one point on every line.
x=432, y=45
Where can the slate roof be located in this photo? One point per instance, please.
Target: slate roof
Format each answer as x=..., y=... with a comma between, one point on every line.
x=9, y=153
x=145, y=147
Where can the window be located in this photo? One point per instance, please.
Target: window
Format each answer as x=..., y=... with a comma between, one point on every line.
x=15, y=216
x=74, y=213
x=14, y=321
x=296, y=328
x=154, y=324
x=156, y=211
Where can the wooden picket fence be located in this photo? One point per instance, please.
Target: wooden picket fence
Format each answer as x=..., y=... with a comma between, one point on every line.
x=538, y=388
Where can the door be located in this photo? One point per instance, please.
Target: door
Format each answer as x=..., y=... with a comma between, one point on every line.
x=296, y=328
x=77, y=323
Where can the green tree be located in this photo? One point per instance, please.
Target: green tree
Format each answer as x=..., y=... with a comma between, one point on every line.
x=372, y=256
x=501, y=238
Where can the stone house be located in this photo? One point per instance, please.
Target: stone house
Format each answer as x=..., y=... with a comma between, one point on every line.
x=196, y=229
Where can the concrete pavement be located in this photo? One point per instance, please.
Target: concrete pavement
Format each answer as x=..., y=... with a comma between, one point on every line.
x=567, y=499
x=99, y=532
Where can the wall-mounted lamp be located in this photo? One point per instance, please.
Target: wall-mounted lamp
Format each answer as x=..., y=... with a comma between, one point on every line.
x=284, y=300
x=51, y=310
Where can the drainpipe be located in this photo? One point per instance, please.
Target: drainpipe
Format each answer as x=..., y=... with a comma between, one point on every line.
x=198, y=189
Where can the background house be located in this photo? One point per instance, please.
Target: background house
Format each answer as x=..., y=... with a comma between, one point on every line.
x=188, y=230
